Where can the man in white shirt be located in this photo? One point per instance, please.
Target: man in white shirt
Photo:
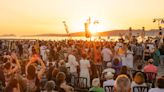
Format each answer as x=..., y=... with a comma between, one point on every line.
x=109, y=79
x=109, y=68
x=43, y=52
x=106, y=55
x=73, y=65
x=30, y=50
x=160, y=85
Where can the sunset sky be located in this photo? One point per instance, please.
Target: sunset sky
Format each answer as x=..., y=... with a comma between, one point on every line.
x=29, y=17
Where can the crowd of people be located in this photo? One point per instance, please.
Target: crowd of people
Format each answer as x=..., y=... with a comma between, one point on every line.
x=53, y=66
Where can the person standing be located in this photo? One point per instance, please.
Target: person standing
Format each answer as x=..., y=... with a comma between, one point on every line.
x=37, y=47
x=147, y=54
x=85, y=69
x=97, y=55
x=33, y=77
x=121, y=54
x=156, y=56
x=9, y=71
x=161, y=49
x=106, y=55
x=43, y=52
x=129, y=58
x=73, y=65
x=139, y=53
x=20, y=49
x=160, y=39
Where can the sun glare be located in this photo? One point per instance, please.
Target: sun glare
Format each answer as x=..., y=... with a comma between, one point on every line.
x=94, y=28
x=96, y=24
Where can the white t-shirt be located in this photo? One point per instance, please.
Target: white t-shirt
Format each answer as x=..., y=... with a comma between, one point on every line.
x=108, y=83
x=156, y=90
x=109, y=70
x=106, y=54
x=43, y=50
x=30, y=50
x=84, y=65
x=73, y=63
x=134, y=84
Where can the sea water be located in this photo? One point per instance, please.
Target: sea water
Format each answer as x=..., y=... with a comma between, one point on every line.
x=54, y=38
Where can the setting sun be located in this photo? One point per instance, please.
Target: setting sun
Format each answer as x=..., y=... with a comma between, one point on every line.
x=93, y=28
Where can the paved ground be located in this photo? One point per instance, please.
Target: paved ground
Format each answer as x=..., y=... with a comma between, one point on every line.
x=161, y=71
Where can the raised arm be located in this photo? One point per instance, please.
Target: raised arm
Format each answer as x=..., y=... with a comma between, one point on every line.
x=32, y=60
x=14, y=57
x=43, y=68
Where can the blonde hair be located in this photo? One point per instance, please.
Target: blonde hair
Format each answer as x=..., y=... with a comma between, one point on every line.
x=139, y=78
x=122, y=83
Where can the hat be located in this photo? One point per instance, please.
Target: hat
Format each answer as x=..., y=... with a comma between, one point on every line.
x=95, y=82
x=109, y=75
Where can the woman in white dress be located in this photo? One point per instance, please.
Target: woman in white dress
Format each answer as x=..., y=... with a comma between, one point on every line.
x=85, y=68
x=129, y=58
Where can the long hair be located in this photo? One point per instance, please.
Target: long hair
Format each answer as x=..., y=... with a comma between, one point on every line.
x=122, y=84
x=31, y=72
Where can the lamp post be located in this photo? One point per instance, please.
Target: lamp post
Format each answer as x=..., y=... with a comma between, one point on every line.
x=130, y=34
x=143, y=33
